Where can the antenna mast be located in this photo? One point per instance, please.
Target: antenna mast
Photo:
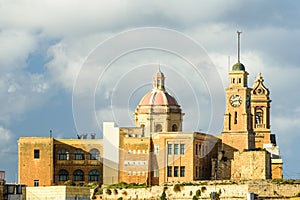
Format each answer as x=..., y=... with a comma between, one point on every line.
x=239, y=45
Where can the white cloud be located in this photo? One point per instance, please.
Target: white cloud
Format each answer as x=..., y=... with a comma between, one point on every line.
x=15, y=48
x=69, y=30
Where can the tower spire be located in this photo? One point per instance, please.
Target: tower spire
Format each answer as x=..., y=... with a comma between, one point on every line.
x=239, y=45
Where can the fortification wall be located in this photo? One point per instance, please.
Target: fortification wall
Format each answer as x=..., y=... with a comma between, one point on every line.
x=227, y=190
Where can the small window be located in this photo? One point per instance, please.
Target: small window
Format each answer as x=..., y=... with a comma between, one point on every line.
x=63, y=154
x=94, y=175
x=176, y=174
x=176, y=149
x=36, y=183
x=155, y=173
x=174, y=128
x=169, y=173
x=196, y=149
x=240, y=80
x=63, y=175
x=78, y=175
x=259, y=116
x=78, y=154
x=169, y=149
x=158, y=128
x=182, y=149
x=36, y=153
x=94, y=154
x=182, y=171
x=156, y=149
x=235, y=117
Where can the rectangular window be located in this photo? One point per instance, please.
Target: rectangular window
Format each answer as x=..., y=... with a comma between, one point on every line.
x=182, y=171
x=36, y=183
x=235, y=117
x=169, y=171
x=182, y=149
x=176, y=171
x=169, y=149
x=196, y=149
x=36, y=153
x=155, y=173
x=196, y=168
x=176, y=149
x=156, y=149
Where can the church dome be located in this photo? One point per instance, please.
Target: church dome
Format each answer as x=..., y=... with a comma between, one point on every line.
x=158, y=111
x=238, y=67
x=158, y=98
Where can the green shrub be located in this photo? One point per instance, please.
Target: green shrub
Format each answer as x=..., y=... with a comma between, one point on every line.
x=195, y=198
x=198, y=193
x=298, y=194
x=69, y=183
x=163, y=196
x=108, y=191
x=120, y=198
x=177, y=188
x=100, y=191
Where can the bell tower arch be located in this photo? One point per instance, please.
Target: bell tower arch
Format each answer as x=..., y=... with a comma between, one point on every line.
x=260, y=109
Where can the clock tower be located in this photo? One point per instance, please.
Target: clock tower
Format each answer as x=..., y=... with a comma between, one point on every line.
x=238, y=132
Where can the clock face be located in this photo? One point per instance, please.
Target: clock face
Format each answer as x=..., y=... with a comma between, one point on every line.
x=235, y=100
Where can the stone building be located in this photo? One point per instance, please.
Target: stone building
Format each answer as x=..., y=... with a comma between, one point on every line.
x=156, y=150
x=45, y=161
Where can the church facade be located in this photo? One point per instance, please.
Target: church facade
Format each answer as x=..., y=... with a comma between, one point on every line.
x=156, y=150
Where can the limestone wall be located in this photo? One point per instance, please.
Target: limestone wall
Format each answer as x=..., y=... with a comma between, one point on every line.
x=57, y=192
x=227, y=190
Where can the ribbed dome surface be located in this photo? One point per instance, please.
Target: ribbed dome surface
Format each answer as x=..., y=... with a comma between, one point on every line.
x=158, y=97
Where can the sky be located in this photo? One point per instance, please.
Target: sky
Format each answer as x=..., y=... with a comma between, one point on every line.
x=67, y=66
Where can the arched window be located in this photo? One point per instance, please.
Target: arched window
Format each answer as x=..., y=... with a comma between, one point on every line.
x=94, y=154
x=78, y=175
x=63, y=154
x=78, y=154
x=94, y=175
x=63, y=175
x=259, y=116
x=174, y=128
x=158, y=128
